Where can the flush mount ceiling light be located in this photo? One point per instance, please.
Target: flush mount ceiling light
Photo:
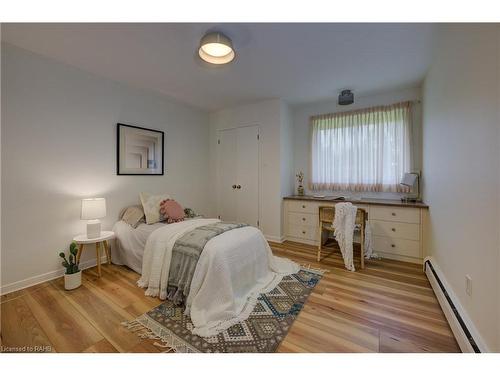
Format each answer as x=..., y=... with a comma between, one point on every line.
x=216, y=48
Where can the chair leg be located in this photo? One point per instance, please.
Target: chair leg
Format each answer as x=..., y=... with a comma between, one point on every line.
x=108, y=251
x=362, y=247
x=98, y=256
x=79, y=253
x=320, y=244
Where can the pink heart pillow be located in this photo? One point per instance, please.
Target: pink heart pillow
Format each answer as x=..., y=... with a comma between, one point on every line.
x=171, y=211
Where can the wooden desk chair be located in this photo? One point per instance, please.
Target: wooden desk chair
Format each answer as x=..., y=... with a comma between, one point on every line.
x=326, y=216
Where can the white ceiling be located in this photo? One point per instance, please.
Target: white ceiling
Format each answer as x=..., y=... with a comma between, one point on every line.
x=296, y=62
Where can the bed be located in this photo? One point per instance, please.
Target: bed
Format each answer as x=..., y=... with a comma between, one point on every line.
x=128, y=249
x=233, y=269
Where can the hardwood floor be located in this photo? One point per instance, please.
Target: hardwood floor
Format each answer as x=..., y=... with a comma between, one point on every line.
x=387, y=307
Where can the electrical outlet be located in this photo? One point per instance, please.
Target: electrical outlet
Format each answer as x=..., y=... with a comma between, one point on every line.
x=468, y=285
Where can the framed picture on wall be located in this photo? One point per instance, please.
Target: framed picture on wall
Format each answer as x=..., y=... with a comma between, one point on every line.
x=139, y=151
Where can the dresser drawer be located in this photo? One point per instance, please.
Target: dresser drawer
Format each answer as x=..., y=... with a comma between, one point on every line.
x=403, y=215
x=303, y=206
x=393, y=229
x=302, y=231
x=303, y=219
x=396, y=246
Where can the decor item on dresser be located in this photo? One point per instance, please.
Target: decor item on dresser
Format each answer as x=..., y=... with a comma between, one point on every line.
x=171, y=211
x=300, y=180
x=93, y=209
x=261, y=332
x=410, y=180
x=73, y=275
x=139, y=151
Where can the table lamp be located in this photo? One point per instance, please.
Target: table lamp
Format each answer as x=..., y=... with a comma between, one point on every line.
x=409, y=180
x=92, y=210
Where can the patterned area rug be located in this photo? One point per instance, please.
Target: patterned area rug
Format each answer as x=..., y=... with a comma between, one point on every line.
x=262, y=332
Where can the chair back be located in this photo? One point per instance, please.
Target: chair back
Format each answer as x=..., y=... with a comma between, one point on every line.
x=327, y=214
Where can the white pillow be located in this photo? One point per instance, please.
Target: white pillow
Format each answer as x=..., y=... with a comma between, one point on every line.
x=133, y=215
x=151, y=206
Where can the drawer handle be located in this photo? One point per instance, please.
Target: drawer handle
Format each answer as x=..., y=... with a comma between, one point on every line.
x=393, y=214
x=303, y=206
x=303, y=219
x=303, y=232
x=392, y=245
x=393, y=229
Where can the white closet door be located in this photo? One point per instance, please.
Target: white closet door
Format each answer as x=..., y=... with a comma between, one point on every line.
x=248, y=175
x=227, y=160
x=238, y=170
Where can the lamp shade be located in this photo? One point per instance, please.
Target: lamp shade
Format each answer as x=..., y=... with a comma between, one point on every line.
x=409, y=179
x=93, y=208
x=216, y=48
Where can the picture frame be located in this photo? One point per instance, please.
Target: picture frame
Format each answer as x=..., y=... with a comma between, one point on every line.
x=139, y=151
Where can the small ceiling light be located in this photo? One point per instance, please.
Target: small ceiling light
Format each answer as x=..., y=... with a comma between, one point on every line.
x=216, y=48
x=346, y=97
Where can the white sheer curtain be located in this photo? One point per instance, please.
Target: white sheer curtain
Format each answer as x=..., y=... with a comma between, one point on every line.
x=362, y=150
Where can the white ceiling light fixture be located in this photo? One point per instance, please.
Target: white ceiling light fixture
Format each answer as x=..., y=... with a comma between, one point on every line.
x=216, y=48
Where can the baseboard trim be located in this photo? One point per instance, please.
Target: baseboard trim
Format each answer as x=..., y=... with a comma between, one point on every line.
x=401, y=258
x=464, y=330
x=26, y=283
x=275, y=238
x=301, y=240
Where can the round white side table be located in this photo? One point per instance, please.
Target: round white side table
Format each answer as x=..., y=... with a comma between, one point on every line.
x=82, y=239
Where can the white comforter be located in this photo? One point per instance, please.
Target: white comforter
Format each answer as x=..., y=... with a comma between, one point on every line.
x=128, y=249
x=233, y=269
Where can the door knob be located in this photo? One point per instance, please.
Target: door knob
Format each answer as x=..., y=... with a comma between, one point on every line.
x=234, y=186
x=238, y=186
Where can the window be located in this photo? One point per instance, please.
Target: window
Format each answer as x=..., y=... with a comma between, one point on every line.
x=364, y=150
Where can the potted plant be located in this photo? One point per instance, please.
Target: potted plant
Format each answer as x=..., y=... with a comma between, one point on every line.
x=73, y=275
x=300, y=180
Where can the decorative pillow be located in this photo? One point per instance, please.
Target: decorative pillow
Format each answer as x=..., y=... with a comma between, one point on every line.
x=172, y=211
x=151, y=206
x=133, y=215
x=189, y=213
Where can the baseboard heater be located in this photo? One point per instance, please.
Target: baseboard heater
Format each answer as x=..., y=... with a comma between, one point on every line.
x=461, y=332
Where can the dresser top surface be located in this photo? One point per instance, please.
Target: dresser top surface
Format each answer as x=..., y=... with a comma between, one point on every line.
x=372, y=201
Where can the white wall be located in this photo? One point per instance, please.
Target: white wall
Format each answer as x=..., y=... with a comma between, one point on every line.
x=460, y=162
x=301, y=114
x=498, y=181
x=269, y=115
x=0, y=158
x=286, y=157
x=59, y=145
x=286, y=150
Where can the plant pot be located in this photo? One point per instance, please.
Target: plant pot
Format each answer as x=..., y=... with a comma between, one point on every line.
x=300, y=190
x=72, y=281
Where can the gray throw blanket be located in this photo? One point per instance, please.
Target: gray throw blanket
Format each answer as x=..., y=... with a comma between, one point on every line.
x=185, y=254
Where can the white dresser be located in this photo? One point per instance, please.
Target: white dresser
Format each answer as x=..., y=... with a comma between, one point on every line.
x=397, y=228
